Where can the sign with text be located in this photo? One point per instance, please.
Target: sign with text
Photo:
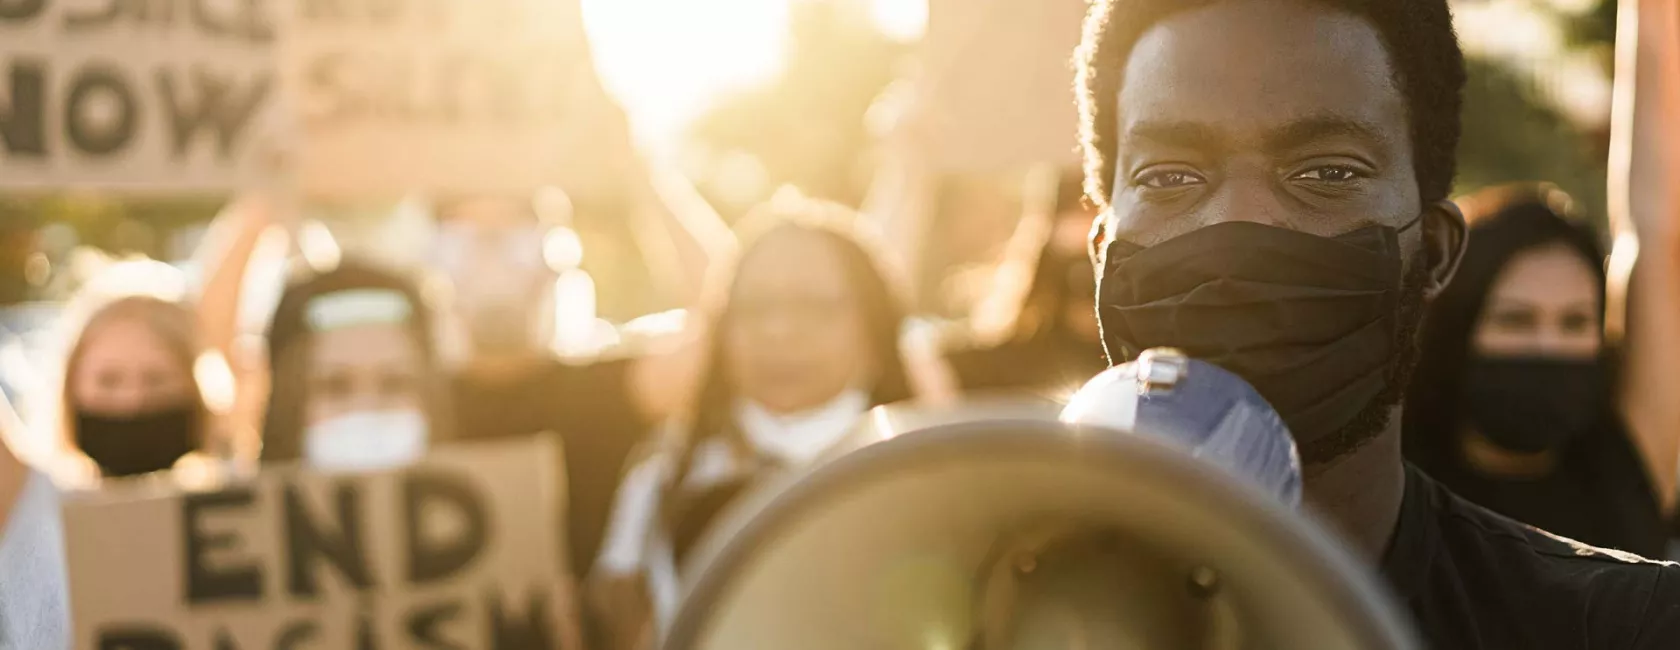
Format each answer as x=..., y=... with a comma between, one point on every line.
x=149, y=95
x=459, y=551
x=445, y=97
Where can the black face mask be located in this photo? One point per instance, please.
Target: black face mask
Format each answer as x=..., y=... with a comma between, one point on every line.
x=1310, y=321
x=1531, y=404
x=130, y=446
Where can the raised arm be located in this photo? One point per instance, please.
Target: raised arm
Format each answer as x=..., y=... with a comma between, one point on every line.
x=225, y=258
x=1645, y=214
x=679, y=232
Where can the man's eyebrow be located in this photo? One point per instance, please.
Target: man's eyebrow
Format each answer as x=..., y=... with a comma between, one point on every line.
x=1307, y=130
x=1189, y=135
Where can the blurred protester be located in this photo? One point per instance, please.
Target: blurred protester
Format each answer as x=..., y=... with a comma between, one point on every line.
x=34, y=600
x=804, y=340
x=510, y=382
x=147, y=386
x=133, y=403
x=1512, y=406
x=1038, y=331
x=356, y=381
x=491, y=249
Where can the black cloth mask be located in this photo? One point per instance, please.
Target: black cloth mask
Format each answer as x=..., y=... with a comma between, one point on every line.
x=135, y=445
x=1532, y=404
x=1310, y=321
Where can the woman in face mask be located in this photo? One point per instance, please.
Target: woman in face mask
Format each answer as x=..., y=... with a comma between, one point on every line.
x=356, y=383
x=1511, y=406
x=148, y=384
x=804, y=340
x=132, y=401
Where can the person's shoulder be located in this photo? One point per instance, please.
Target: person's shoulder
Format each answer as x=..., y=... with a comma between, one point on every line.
x=1661, y=628
x=1468, y=527
x=1550, y=555
x=1593, y=592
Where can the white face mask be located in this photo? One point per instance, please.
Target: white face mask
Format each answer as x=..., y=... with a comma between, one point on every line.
x=367, y=441
x=799, y=438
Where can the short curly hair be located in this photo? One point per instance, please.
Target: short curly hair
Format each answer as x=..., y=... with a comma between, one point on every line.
x=1422, y=46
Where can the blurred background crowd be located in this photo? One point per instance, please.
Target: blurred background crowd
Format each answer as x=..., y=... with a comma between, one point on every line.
x=812, y=207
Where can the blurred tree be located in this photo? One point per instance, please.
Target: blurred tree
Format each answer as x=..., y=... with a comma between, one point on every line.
x=806, y=126
x=1593, y=28
x=1514, y=132
x=1511, y=134
x=17, y=244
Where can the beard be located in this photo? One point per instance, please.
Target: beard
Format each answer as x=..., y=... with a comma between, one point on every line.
x=1373, y=420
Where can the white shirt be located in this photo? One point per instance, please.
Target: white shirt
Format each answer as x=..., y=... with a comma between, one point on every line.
x=34, y=594
x=634, y=541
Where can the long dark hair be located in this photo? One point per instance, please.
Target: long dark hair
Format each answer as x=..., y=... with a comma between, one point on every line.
x=877, y=294
x=711, y=413
x=1504, y=221
x=288, y=348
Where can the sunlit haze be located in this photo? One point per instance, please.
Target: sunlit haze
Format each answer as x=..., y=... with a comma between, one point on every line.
x=668, y=60
x=904, y=20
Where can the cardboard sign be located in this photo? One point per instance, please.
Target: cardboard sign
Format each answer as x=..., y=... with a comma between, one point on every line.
x=460, y=551
x=147, y=95
x=446, y=96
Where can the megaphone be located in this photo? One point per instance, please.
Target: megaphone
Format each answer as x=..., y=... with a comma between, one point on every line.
x=1155, y=514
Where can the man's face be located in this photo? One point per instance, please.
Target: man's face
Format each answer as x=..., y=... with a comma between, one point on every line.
x=1283, y=113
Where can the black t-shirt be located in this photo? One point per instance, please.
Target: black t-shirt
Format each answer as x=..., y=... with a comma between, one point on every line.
x=589, y=406
x=1598, y=494
x=1476, y=580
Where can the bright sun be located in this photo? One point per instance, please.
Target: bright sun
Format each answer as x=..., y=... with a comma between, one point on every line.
x=668, y=60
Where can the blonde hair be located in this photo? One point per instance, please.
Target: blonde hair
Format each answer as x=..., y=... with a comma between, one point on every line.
x=172, y=323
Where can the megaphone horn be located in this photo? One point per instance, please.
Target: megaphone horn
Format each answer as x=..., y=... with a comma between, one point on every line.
x=1010, y=530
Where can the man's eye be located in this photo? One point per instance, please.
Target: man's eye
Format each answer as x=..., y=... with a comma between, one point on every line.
x=1330, y=173
x=1162, y=180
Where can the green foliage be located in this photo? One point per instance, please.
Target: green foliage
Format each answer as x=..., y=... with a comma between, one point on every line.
x=1511, y=135
x=1594, y=28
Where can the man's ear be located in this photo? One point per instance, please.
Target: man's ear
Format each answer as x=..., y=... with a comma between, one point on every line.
x=1445, y=237
x=1098, y=238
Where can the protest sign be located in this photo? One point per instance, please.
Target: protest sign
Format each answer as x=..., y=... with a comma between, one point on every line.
x=446, y=97
x=459, y=551
x=136, y=95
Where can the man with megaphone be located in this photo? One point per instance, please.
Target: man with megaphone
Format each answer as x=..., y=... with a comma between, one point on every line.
x=1274, y=175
